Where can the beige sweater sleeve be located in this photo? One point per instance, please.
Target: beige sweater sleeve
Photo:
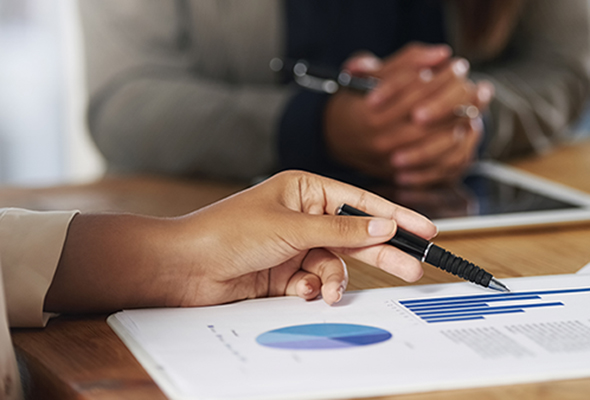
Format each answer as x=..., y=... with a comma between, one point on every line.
x=542, y=81
x=10, y=386
x=184, y=90
x=30, y=248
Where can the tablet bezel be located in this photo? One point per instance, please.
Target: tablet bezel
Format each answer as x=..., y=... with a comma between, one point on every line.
x=532, y=183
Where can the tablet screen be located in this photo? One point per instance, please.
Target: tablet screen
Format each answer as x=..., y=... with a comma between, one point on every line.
x=497, y=197
x=491, y=191
x=476, y=195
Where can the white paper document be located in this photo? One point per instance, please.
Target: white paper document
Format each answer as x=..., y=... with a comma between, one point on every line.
x=374, y=342
x=584, y=270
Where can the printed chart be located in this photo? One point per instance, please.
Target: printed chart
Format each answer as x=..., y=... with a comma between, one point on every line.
x=375, y=343
x=464, y=308
x=322, y=336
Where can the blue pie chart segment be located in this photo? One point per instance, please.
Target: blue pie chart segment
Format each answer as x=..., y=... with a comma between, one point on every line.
x=322, y=336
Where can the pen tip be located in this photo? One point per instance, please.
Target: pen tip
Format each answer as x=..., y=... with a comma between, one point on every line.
x=499, y=286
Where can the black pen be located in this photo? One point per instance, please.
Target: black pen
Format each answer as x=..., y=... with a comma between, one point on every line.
x=426, y=251
x=322, y=79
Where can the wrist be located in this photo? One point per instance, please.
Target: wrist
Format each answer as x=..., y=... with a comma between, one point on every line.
x=173, y=270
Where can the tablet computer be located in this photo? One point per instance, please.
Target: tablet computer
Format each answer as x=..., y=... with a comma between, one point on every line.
x=495, y=196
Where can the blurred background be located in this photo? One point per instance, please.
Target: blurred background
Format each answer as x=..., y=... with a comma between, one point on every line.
x=43, y=137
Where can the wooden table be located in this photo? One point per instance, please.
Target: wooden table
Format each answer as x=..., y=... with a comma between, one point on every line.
x=82, y=358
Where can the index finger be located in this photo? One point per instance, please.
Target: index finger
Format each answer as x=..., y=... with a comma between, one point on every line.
x=334, y=194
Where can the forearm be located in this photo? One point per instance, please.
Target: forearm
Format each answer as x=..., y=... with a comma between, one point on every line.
x=110, y=262
x=533, y=107
x=185, y=125
x=205, y=103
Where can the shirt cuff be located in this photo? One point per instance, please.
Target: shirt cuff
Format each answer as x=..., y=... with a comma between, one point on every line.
x=31, y=244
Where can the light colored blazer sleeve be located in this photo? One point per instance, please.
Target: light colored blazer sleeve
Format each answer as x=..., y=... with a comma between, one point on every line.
x=184, y=87
x=10, y=385
x=30, y=248
x=543, y=81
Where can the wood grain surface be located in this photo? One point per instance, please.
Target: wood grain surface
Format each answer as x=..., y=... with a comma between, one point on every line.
x=81, y=358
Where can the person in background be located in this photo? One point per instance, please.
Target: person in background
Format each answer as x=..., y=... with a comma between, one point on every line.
x=184, y=87
x=288, y=242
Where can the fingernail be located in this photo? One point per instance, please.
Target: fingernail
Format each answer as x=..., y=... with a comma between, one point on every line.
x=435, y=52
x=460, y=67
x=340, y=294
x=308, y=289
x=380, y=227
x=476, y=125
x=484, y=94
x=422, y=114
x=399, y=160
x=459, y=132
x=443, y=50
x=425, y=75
x=370, y=64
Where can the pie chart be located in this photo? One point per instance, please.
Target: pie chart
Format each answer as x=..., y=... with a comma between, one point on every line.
x=322, y=336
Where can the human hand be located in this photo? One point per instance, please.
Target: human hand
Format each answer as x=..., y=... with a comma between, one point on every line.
x=280, y=237
x=357, y=131
x=441, y=143
x=406, y=130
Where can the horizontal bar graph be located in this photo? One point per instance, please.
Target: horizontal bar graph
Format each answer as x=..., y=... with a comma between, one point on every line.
x=477, y=307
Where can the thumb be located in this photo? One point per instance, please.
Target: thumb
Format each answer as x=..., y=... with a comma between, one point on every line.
x=340, y=231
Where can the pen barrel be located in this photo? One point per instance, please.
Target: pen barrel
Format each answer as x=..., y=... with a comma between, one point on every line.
x=410, y=244
x=406, y=241
x=449, y=262
x=426, y=251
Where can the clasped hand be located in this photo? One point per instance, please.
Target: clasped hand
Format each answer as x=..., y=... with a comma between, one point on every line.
x=408, y=130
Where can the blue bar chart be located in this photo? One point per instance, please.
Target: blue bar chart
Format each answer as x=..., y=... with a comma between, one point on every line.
x=477, y=307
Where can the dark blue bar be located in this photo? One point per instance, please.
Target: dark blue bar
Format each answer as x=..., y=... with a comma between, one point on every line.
x=478, y=309
x=446, y=307
x=467, y=300
x=435, y=317
x=488, y=297
x=452, y=303
x=453, y=319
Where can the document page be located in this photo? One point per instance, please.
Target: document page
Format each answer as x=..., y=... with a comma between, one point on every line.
x=374, y=342
x=584, y=270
